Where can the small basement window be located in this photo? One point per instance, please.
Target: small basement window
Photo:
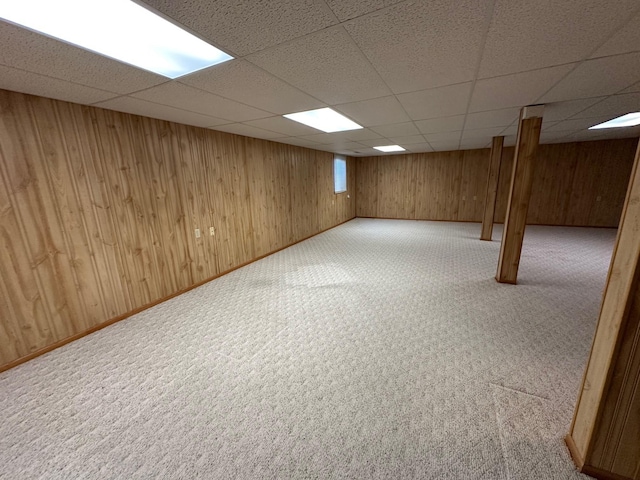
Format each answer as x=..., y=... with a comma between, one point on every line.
x=340, y=174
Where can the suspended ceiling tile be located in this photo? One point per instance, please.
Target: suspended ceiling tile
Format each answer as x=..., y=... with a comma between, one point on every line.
x=247, y=131
x=419, y=148
x=397, y=130
x=376, y=142
x=35, y=84
x=493, y=118
x=531, y=35
x=443, y=137
x=633, y=88
x=598, y=77
x=419, y=45
x=443, y=124
x=562, y=110
x=188, y=98
x=301, y=142
x=377, y=111
x=510, y=140
x=613, y=106
x=282, y=125
x=162, y=112
x=481, y=133
x=348, y=9
x=625, y=40
x=403, y=141
x=575, y=124
x=243, y=82
x=350, y=135
x=475, y=143
x=326, y=65
x=437, y=102
x=332, y=147
x=245, y=26
x=515, y=90
x=30, y=51
x=444, y=146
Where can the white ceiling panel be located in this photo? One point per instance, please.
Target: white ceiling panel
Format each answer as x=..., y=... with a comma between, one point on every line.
x=443, y=124
x=35, y=84
x=377, y=111
x=493, y=118
x=437, y=102
x=632, y=88
x=563, y=110
x=301, y=142
x=188, y=98
x=515, y=90
x=443, y=137
x=243, y=82
x=625, y=40
x=419, y=45
x=613, y=106
x=162, y=112
x=348, y=9
x=474, y=143
x=282, y=125
x=402, y=141
x=594, y=78
x=419, y=148
x=247, y=131
x=444, y=146
x=33, y=52
x=575, y=124
x=351, y=135
x=531, y=35
x=485, y=134
x=376, y=142
x=397, y=130
x=320, y=62
x=245, y=26
x=510, y=140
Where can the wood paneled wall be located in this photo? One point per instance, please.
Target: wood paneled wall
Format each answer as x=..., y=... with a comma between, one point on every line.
x=579, y=184
x=98, y=211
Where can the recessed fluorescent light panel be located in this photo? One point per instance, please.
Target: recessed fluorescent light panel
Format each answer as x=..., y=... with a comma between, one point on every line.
x=120, y=29
x=324, y=119
x=390, y=148
x=628, y=120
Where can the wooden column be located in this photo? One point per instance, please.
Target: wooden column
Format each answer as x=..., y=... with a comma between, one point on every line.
x=519, y=193
x=492, y=188
x=605, y=434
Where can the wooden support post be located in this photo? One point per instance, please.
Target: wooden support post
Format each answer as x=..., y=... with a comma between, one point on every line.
x=605, y=434
x=519, y=193
x=492, y=188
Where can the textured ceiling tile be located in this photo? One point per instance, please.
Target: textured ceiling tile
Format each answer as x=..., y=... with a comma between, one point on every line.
x=360, y=134
x=613, y=106
x=493, y=118
x=397, y=130
x=163, y=112
x=474, y=143
x=444, y=146
x=282, y=125
x=595, y=78
x=481, y=133
x=550, y=137
x=530, y=35
x=515, y=90
x=246, y=26
x=188, y=98
x=376, y=142
x=33, y=52
x=241, y=81
x=575, y=124
x=563, y=110
x=444, y=124
x=247, y=131
x=326, y=65
x=342, y=145
x=350, y=135
x=627, y=39
x=297, y=141
x=402, y=141
x=510, y=140
x=377, y=111
x=632, y=88
x=419, y=148
x=443, y=137
x=35, y=84
x=348, y=9
x=437, y=102
x=418, y=45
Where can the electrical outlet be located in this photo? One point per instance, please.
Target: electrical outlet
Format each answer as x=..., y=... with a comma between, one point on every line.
x=212, y=231
x=197, y=233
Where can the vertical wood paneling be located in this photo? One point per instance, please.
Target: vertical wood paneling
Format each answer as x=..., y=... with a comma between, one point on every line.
x=98, y=211
x=578, y=184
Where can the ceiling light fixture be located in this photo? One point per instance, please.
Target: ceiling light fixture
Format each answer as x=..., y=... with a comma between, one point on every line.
x=628, y=120
x=324, y=119
x=120, y=29
x=390, y=148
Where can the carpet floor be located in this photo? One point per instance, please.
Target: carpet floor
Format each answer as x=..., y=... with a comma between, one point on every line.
x=378, y=349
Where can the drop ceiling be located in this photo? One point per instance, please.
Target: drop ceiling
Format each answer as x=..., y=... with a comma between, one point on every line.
x=428, y=75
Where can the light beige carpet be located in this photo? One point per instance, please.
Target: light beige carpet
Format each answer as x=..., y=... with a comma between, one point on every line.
x=379, y=349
